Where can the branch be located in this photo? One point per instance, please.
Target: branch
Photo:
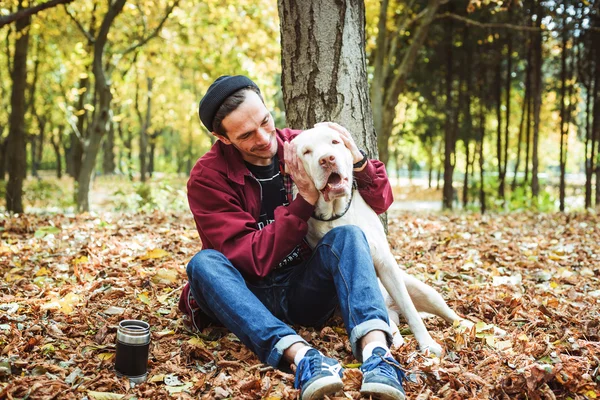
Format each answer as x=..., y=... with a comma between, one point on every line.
x=88, y=36
x=492, y=25
x=7, y=19
x=155, y=32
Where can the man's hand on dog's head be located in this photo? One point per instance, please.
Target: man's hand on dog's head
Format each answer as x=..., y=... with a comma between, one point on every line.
x=346, y=137
x=294, y=167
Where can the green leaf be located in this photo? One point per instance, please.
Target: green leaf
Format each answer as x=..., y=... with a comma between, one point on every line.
x=46, y=230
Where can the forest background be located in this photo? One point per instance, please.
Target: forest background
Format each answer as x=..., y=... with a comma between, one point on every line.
x=496, y=101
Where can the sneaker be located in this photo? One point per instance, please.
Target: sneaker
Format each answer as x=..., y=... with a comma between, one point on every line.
x=382, y=377
x=318, y=376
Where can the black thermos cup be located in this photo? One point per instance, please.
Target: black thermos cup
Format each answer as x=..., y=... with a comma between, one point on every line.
x=133, y=342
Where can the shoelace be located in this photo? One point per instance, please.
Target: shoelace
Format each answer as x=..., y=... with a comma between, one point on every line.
x=309, y=365
x=393, y=371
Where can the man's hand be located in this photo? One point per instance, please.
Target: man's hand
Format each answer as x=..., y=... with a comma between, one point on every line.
x=294, y=166
x=346, y=137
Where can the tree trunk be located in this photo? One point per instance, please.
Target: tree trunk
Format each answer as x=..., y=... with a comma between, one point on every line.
x=108, y=152
x=153, y=140
x=537, y=91
x=480, y=139
x=37, y=146
x=332, y=36
x=101, y=119
x=3, y=157
x=499, y=133
x=595, y=133
x=524, y=116
x=77, y=136
x=17, y=145
x=429, y=162
x=468, y=119
x=55, y=142
x=507, y=125
x=145, y=126
x=589, y=147
x=449, y=136
x=563, y=115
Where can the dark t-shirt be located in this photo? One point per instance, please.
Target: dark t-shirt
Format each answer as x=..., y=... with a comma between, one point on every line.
x=273, y=195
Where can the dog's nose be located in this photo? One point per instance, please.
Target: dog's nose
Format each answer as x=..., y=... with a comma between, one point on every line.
x=327, y=160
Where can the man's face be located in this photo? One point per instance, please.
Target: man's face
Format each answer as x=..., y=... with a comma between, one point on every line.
x=251, y=130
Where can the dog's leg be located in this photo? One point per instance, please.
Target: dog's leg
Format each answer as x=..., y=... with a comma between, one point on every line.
x=393, y=317
x=427, y=299
x=392, y=279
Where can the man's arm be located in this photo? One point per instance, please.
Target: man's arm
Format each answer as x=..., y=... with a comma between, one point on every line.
x=221, y=218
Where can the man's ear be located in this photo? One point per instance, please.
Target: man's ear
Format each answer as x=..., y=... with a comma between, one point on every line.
x=222, y=138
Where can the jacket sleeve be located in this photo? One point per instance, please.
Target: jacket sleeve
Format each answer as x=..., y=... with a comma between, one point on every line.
x=221, y=218
x=374, y=186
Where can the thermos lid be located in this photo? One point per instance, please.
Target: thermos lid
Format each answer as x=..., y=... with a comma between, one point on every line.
x=133, y=331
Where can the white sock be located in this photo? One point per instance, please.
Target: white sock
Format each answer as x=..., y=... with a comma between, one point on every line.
x=368, y=349
x=300, y=354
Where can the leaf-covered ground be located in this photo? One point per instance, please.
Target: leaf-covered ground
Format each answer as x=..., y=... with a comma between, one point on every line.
x=66, y=282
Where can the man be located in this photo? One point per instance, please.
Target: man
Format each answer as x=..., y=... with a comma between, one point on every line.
x=256, y=273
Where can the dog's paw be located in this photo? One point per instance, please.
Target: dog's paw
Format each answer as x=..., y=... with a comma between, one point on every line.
x=433, y=348
x=397, y=340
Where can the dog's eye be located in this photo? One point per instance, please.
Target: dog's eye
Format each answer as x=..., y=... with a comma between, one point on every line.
x=307, y=152
x=335, y=141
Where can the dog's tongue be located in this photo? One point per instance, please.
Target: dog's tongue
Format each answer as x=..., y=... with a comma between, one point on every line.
x=335, y=184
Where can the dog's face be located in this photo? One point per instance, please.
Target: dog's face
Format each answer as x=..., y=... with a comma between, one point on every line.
x=326, y=160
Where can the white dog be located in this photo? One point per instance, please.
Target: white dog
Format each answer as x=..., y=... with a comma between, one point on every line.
x=329, y=163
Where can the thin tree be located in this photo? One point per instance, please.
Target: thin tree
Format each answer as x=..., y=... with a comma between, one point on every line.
x=537, y=89
x=17, y=145
x=450, y=127
x=563, y=112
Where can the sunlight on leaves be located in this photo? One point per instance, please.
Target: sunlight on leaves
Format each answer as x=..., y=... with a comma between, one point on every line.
x=154, y=253
x=104, y=395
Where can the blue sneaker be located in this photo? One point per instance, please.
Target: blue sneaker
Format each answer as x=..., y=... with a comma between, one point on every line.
x=318, y=376
x=382, y=377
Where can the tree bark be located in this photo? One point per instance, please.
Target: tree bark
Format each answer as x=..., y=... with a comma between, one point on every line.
x=17, y=145
x=331, y=36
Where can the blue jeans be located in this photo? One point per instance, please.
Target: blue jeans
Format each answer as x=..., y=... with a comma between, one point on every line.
x=339, y=272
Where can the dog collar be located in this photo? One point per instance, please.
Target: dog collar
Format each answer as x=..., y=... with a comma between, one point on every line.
x=333, y=218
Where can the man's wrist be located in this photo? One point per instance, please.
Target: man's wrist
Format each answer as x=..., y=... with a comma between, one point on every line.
x=359, y=165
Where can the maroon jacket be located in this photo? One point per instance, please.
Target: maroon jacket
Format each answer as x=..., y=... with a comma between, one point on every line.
x=225, y=200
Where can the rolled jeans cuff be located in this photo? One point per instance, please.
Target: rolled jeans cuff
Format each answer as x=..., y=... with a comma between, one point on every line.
x=283, y=343
x=362, y=329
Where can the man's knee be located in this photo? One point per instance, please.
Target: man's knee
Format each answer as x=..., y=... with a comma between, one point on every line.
x=346, y=232
x=206, y=263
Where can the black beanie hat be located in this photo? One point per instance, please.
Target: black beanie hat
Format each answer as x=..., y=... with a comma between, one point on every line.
x=216, y=94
